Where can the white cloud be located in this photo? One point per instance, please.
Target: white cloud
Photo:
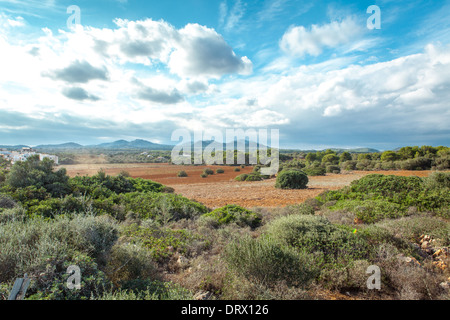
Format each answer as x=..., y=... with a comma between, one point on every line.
x=300, y=41
x=200, y=51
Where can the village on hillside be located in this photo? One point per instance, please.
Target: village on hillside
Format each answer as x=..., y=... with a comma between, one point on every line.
x=24, y=154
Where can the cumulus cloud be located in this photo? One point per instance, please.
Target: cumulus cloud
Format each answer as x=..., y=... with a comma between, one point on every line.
x=300, y=41
x=201, y=51
x=78, y=94
x=190, y=52
x=79, y=72
x=154, y=95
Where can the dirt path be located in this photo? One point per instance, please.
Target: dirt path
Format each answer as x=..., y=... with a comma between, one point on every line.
x=221, y=189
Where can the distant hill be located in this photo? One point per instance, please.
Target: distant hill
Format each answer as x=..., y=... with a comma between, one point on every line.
x=225, y=146
x=68, y=145
x=17, y=147
x=136, y=144
x=140, y=144
x=357, y=150
x=337, y=150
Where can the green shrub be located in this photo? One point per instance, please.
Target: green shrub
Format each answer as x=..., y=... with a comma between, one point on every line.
x=163, y=207
x=208, y=171
x=291, y=179
x=333, y=169
x=421, y=163
x=128, y=262
x=149, y=290
x=438, y=180
x=266, y=261
x=204, y=175
x=237, y=169
x=370, y=211
x=233, y=213
x=39, y=174
x=317, y=234
x=161, y=243
x=182, y=174
x=220, y=170
x=7, y=202
x=348, y=165
x=443, y=163
x=254, y=177
x=241, y=177
x=45, y=248
x=387, y=186
x=314, y=171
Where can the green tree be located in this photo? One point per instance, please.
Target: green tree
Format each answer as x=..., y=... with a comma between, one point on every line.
x=345, y=156
x=389, y=156
x=330, y=159
x=40, y=174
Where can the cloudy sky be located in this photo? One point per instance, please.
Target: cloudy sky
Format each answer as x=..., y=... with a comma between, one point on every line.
x=141, y=69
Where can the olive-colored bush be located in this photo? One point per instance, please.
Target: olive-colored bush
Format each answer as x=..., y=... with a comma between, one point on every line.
x=291, y=179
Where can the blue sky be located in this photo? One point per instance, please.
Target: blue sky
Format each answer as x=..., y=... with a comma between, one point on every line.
x=142, y=69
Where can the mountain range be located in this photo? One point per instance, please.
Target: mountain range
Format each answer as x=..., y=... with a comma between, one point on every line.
x=140, y=144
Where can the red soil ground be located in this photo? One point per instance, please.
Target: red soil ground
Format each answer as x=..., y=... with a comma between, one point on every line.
x=221, y=189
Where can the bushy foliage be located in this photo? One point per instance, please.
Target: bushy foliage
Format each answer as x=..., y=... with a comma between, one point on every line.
x=241, y=177
x=182, y=174
x=317, y=234
x=233, y=213
x=7, y=202
x=160, y=243
x=208, y=171
x=333, y=169
x=38, y=174
x=45, y=248
x=162, y=206
x=254, y=177
x=314, y=171
x=291, y=179
x=376, y=197
x=102, y=185
x=149, y=290
x=265, y=260
x=220, y=170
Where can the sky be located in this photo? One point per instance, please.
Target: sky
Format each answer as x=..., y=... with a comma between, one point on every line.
x=323, y=73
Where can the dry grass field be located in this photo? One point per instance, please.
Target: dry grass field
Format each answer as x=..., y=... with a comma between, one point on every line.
x=220, y=189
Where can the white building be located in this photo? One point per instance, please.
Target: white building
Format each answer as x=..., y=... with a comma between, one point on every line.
x=24, y=154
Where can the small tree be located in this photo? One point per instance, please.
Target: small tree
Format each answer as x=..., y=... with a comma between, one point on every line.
x=291, y=179
x=389, y=156
x=182, y=174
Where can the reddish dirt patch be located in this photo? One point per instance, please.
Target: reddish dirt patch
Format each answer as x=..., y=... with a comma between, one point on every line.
x=221, y=189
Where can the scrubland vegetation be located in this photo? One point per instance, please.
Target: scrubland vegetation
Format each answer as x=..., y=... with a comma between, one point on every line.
x=136, y=239
x=406, y=158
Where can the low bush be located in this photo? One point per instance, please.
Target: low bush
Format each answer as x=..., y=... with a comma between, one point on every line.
x=254, y=177
x=7, y=202
x=220, y=170
x=204, y=175
x=314, y=171
x=163, y=207
x=370, y=211
x=317, y=234
x=237, y=169
x=264, y=260
x=333, y=169
x=182, y=174
x=291, y=179
x=208, y=171
x=241, y=177
x=233, y=213
x=149, y=290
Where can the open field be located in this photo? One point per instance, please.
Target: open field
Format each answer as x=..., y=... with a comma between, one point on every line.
x=221, y=189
